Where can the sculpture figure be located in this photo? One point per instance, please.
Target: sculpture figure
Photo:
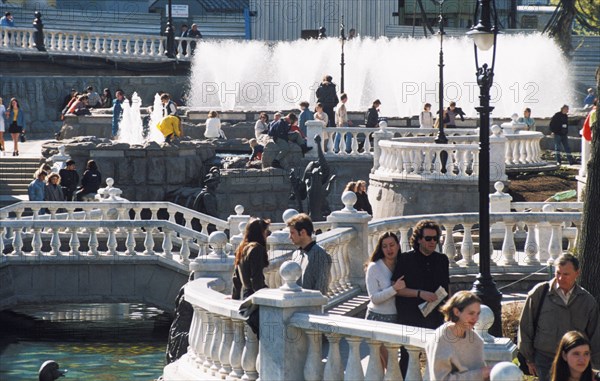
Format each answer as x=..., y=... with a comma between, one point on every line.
x=49, y=371
x=206, y=201
x=180, y=327
x=38, y=35
x=314, y=185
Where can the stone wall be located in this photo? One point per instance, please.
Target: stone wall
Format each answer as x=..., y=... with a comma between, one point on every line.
x=41, y=97
x=144, y=173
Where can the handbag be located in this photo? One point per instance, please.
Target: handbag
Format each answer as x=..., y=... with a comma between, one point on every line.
x=250, y=312
x=22, y=138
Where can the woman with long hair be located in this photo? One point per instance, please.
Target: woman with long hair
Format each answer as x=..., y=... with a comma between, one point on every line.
x=381, y=289
x=250, y=259
x=16, y=123
x=572, y=359
x=455, y=352
x=362, y=203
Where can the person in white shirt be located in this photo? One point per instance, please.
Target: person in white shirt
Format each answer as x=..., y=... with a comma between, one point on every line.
x=213, y=127
x=381, y=289
x=2, y=128
x=261, y=128
x=426, y=117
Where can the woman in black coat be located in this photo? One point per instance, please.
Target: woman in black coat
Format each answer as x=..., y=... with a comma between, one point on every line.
x=327, y=96
x=91, y=181
x=250, y=259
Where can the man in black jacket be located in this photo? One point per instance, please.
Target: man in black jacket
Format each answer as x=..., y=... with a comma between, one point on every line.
x=559, y=125
x=373, y=114
x=69, y=179
x=327, y=96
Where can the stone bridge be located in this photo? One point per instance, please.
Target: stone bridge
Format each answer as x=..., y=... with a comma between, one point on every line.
x=152, y=280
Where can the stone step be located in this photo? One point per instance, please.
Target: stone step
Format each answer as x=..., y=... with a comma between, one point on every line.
x=353, y=307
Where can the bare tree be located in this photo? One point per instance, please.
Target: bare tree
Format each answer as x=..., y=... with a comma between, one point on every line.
x=585, y=12
x=589, y=239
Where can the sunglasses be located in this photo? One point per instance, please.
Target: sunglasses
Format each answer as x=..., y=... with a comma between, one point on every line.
x=430, y=238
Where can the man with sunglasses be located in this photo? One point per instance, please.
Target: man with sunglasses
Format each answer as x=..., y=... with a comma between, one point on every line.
x=424, y=271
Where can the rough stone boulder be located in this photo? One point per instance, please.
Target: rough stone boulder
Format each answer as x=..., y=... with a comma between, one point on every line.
x=293, y=159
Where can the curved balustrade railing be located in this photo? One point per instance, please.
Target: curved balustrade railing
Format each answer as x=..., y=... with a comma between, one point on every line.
x=544, y=233
x=86, y=43
x=399, y=159
x=100, y=239
x=523, y=149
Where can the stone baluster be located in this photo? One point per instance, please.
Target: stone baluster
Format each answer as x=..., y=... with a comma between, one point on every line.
x=215, y=345
x=249, y=355
x=498, y=144
x=185, y=250
x=393, y=368
x=367, y=145
x=70, y=217
x=193, y=333
x=468, y=249
x=334, y=367
x=149, y=242
x=404, y=239
x=93, y=242
x=198, y=342
x=36, y=211
x=167, y=245
x=36, y=241
x=381, y=134
x=208, y=335
x=55, y=242
x=313, y=367
x=122, y=217
x=345, y=266
x=235, y=355
x=111, y=243
x=509, y=249
x=225, y=348
x=130, y=241
x=74, y=243
x=355, y=143
x=152, y=47
x=334, y=272
x=354, y=369
x=544, y=235
x=555, y=247
x=531, y=246
x=374, y=367
x=188, y=220
x=1, y=241
x=413, y=372
x=449, y=247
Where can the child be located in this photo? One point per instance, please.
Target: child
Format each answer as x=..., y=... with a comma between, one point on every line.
x=257, y=150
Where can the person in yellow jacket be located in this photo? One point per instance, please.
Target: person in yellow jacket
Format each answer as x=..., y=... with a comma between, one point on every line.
x=169, y=126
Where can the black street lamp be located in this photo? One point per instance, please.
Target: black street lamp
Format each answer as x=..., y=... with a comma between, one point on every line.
x=484, y=35
x=342, y=63
x=170, y=32
x=441, y=136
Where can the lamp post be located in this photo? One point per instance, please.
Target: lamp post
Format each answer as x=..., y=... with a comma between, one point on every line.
x=170, y=33
x=484, y=35
x=342, y=63
x=441, y=136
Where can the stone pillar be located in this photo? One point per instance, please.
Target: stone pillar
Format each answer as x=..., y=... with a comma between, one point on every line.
x=497, y=155
x=499, y=203
x=235, y=220
x=283, y=348
x=349, y=217
x=314, y=128
x=382, y=134
x=215, y=264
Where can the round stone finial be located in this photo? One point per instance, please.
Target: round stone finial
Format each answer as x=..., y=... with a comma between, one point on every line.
x=506, y=371
x=514, y=117
x=242, y=226
x=485, y=322
x=349, y=199
x=499, y=186
x=548, y=208
x=239, y=210
x=383, y=124
x=61, y=150
x=289, y=213
x=496, y=130
x=217, y=238
x=290, y=273
x=110, y=182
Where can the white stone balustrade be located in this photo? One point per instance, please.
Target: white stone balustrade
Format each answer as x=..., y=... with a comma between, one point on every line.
x=523, y=149
x=130, y=46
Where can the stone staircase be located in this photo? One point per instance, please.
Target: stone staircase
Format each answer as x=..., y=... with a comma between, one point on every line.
x=15, y=175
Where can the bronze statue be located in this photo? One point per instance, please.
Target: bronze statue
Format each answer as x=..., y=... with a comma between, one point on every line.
x=315, y=185
x=49, y=371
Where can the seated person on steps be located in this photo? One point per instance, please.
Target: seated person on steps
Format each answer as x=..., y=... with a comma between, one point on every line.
x=282, y=134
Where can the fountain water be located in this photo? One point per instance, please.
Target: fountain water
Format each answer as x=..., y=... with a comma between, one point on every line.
x=403, y=73
x=131, y=127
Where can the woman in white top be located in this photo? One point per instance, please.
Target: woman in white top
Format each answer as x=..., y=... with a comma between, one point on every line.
x=2, y=112
x=381, y=289
x=213, y=126
x=455, y=352
x=261, y=128
x=321, y=115
x=426, y=117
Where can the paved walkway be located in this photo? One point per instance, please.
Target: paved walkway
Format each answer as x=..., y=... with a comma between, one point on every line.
x=31, y=148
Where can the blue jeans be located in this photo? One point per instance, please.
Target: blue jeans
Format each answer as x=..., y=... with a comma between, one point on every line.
x=564, y=141
x=543, y=364
x=336, y=142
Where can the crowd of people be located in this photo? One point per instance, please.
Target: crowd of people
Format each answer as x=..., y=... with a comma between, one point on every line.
x=559, y=331
x=65, y=185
